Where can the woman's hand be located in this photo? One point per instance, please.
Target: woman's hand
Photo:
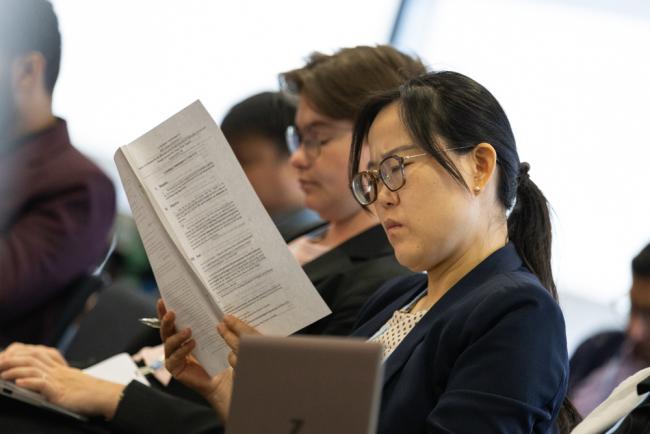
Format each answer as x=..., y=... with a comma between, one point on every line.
x=43, y=370
x=41, y=352
x=231, y=330
x=178, y=360
x=186, y=369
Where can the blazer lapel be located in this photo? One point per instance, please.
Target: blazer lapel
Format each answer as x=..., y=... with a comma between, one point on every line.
x=503, y=260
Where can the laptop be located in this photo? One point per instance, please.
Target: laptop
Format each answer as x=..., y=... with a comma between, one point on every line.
x=10, y=390
x=306, y=385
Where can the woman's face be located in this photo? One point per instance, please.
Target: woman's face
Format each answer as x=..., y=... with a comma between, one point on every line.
x=324, y=178
x=268, y=171
x=430, y=219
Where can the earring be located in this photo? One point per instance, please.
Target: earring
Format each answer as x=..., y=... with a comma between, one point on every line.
x=477, y=189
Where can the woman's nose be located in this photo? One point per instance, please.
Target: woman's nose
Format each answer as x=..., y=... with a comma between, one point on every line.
x=385, y=197
x=299, y=160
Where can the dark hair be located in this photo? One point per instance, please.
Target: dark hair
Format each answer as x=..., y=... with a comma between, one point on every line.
x=641, y=263
x=338, y=84
x=452, y=108
x=31, y=25
x=266, y=114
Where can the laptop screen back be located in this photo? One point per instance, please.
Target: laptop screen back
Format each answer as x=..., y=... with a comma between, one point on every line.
x=306, y=385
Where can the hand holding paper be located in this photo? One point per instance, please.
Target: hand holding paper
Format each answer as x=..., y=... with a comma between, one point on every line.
x=186, y=369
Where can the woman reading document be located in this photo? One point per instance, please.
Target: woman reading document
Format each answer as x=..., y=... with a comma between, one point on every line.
x=477, y=344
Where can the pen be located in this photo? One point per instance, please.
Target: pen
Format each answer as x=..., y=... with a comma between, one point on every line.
x=151, y=369
x=154, y=323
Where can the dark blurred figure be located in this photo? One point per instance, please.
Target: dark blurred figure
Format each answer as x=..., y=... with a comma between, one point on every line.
x=606, y=359
x=56, y=207
x=255, y=129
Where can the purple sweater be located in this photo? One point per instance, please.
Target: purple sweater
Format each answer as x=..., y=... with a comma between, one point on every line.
x=56, y=211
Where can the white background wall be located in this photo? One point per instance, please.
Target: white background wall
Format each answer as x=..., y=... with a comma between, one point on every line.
x=127, y=65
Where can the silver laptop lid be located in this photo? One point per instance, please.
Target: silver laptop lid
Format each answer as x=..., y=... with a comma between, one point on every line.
x=306, y=385
x=10, y=390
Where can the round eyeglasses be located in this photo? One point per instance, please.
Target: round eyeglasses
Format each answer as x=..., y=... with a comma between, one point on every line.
x=295, y=139
x=311, y=145
x=391, y=173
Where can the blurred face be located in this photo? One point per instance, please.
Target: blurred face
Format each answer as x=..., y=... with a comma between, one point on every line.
x=638, y=330
x=268, y=172
x=324, y=178
x=431, y=218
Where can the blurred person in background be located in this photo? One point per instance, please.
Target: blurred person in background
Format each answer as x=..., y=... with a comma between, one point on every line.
x=350, y=257
x=56, y=206
x=603, y=361
x=255, y=129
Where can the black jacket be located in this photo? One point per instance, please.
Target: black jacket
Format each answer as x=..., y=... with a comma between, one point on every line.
x=348, y=275
x=592, y=354
x=488, y=357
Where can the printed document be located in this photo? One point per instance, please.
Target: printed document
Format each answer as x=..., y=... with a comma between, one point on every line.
x=212, y=247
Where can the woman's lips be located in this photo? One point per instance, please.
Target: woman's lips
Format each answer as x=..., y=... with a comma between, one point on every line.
x=391, y=225
x=306, y=185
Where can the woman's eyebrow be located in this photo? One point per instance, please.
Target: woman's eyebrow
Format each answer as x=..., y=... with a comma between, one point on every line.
x=315, y=126
x=398, y=149
x=373, y=164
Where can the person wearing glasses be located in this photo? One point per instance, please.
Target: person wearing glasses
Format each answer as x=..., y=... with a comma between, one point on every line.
x=255, y=129
x=476, y=343
x=350, y=257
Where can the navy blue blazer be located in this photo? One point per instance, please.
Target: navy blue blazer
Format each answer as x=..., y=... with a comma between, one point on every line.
x=489, y=357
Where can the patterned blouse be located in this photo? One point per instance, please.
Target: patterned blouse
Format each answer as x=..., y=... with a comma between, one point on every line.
x=398, y=326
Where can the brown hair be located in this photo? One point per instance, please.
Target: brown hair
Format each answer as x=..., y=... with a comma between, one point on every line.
x=338, y=84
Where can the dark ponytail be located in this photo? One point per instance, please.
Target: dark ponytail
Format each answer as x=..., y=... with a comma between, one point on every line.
x=529, y=229
x=568, y=417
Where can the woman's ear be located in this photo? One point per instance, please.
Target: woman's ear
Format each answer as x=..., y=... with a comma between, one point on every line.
x=484, y=163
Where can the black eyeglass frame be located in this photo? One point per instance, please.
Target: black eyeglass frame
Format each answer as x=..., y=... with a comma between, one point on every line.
x=294, y=139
